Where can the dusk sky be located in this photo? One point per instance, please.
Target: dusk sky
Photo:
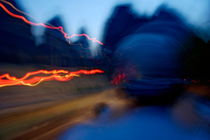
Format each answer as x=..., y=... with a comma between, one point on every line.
x=93, y=13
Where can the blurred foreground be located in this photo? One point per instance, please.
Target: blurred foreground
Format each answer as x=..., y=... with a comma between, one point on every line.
x=48, y=108
x=158, y=66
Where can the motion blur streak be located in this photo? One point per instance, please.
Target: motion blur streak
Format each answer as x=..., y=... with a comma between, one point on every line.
x=18, y=10
x=59, y=28
x=31, y=78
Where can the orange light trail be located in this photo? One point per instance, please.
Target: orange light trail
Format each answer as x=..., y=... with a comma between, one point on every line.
x=22, y=12
x=59, y=28
x=33, y=78
x=16, y=9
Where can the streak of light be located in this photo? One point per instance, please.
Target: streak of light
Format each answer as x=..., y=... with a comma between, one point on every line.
x=22, y=12
x=34, y=78
x=59, y=28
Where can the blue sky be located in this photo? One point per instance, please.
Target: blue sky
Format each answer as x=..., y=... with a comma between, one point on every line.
x=93, y=13
x=76, y=13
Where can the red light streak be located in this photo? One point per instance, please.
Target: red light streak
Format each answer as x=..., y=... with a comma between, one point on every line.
x=34, y=78
x=22, y=12
x=59, y=28
x=16, y=9
x=31, y=78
